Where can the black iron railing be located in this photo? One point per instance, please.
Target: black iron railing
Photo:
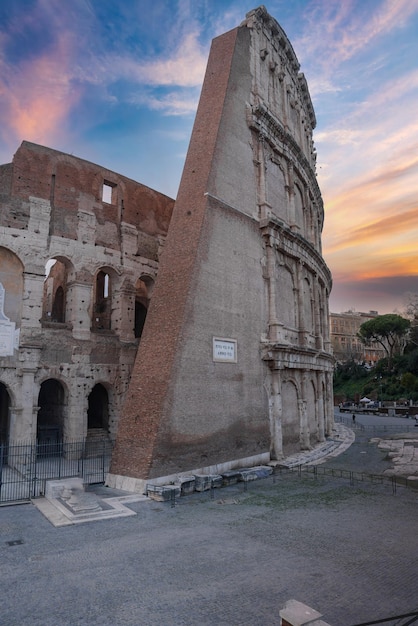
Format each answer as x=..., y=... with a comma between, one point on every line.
x=396, y=620
x=25, y=467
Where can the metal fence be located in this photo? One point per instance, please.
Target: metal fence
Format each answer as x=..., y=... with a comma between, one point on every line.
x=26, y=467
x=352, y=476
x=374, y=428
x=396, y=620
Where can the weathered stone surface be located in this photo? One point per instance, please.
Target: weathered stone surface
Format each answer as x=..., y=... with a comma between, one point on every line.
x=52, y=209
x=244, y=254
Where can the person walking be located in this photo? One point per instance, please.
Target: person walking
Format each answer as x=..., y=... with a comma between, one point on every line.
x=354, y=418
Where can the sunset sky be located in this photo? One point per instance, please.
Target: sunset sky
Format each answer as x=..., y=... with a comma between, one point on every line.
x=117, y=83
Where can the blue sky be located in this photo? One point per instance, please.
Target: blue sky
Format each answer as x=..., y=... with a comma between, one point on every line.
x=117, y=83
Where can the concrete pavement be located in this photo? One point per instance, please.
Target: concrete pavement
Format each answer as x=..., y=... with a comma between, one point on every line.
x=346, y=550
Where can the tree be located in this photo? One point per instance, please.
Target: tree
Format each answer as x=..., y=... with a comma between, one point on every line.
x=387, y=330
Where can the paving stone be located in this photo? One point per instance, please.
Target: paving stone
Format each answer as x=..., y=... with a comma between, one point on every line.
x=230, y=557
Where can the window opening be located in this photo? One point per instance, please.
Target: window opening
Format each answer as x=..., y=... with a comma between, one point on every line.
x=108, y=191
x=102, y=306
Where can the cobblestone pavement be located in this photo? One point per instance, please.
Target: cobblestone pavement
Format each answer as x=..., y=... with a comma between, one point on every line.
x=347, y=550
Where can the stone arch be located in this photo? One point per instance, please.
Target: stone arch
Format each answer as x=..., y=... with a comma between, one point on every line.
x=143, y=290
x=51, y=412
x=98, y=408
x=290, y=417
x=11, y=277
x=285, y=296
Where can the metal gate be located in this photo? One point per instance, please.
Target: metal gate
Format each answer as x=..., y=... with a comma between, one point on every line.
x=25, y=468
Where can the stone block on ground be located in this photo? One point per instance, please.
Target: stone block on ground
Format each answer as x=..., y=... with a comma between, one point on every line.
x=204, y=482
x=163, y=493
x=187, y=484
x=254, y=473
x=231, y=477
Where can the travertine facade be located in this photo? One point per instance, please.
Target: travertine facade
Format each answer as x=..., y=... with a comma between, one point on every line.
x=235, y=365
x=68, y=342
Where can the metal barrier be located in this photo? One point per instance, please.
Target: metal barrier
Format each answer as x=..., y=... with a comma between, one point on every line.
x=375, y=427
x=352, y=476
x=25, y=467
x=396, y=620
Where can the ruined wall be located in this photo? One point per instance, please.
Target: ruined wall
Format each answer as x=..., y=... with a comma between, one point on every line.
x=245, y=242
x=75, y=327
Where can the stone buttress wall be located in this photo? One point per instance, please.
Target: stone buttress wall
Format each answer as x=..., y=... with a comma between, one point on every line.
x=246, y=226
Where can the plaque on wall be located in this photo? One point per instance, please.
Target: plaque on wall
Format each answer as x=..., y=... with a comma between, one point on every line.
x=224, y=350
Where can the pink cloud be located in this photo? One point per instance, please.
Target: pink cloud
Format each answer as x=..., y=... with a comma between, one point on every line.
x=38, y=95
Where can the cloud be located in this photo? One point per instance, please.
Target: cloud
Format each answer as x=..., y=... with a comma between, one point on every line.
x=182, y=102
x=337, y=31
x=385, y=295
x=38, y=94
x=185, y=67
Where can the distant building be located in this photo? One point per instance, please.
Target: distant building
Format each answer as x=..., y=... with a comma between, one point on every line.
x=345, y=342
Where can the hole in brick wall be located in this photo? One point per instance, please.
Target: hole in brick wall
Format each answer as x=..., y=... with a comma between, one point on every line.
x=108, y=192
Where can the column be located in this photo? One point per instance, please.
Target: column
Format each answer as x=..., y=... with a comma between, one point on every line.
x=275, y=414
x=80, y=302
x=303, y=415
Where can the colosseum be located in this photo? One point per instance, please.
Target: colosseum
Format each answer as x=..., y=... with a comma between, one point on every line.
x=78, y=261
x=225, y=290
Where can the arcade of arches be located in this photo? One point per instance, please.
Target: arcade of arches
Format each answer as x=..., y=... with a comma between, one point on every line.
x=118, y=312
x=77, y=270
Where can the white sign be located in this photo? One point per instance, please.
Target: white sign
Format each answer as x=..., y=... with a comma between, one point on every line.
x=224, y=350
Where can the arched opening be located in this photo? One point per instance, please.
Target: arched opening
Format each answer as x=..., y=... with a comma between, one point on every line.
x=11, y=277
x=102, y=302
x=98, y=408
x=140, y=315
x=290, y=418
x=307, y=306
x=312, y=407
x=4, y=415
x=285, y=297
x=299, y=211
x=58, y=310
x=4, y=424
x=143, y=290
x=51, y=412
x=55, y=289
